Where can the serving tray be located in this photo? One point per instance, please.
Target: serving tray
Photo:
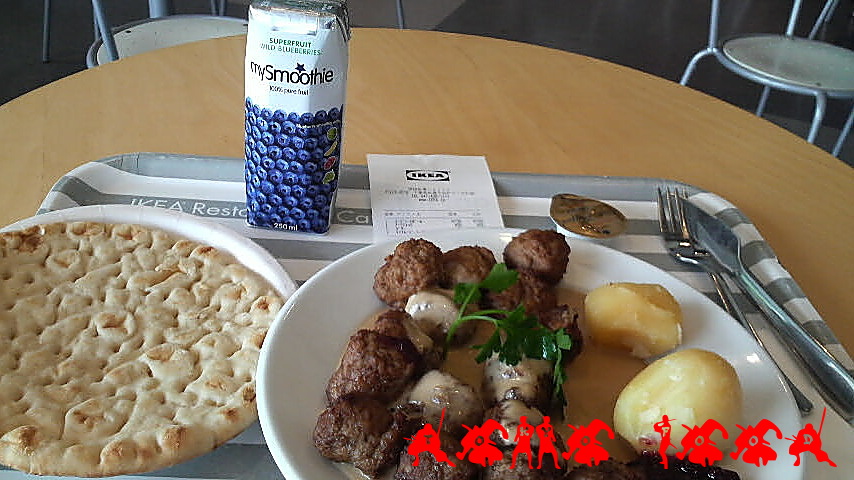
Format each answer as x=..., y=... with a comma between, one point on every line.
x=212, y=187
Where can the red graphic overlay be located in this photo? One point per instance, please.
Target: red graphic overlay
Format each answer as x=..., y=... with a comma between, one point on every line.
x=584, y=447
x=808, y=440
x=546, y=434
x=524, y=433
x=752, y=442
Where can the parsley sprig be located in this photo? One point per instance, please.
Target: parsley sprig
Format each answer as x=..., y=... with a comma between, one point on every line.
x=517, y=334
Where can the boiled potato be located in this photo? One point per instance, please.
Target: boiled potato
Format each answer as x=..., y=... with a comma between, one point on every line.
x=643, y=319
x=689, y=386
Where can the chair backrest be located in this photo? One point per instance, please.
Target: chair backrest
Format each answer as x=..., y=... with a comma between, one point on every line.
x=794, y=15
x=160, y=31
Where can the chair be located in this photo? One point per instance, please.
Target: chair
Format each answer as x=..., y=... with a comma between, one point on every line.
x=218, y=7
x=787, y=62
x=159, y=32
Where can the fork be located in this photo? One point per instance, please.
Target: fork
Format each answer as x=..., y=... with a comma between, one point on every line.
x=682, y=246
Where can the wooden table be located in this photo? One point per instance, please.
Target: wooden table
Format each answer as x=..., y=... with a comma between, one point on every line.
x=526, y=108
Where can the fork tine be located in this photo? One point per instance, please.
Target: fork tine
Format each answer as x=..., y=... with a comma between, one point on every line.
x=663, y=207
x=680, y=198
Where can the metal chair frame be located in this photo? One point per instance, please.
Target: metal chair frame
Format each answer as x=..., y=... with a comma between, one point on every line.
x=715, y=48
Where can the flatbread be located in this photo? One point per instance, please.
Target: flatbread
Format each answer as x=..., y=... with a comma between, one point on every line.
x=123, y=349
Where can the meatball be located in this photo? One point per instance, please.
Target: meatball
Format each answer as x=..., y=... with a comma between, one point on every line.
x=361, y=430
x=534, y=293
x=415, y=265
x=399, y=324
x=529, y=381
x=440, y=392
x=376, y=364
x=429, y=468
x=543, y=253
x=469, y=264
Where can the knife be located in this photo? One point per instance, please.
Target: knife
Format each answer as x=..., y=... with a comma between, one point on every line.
x=833, y=381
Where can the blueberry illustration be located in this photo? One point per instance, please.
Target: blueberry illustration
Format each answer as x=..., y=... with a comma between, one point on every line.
x=267, y=138
x=262, y=124
x=267, y=187
x=248, y=103
x=320, y=117
x=276, y=176
x=261, y=148
x=247, y=126
x=310, y=143
x=322, y=142
x=247, y=151
x=275, y=200
x=275, y=128
x=261, y=198
x=293, y=117
x=263, y=219
x=297, y=213
x=250, y=142
x=289, y=154
x=274, y=152
x=304, y=225
x=291, y=178
x=317, y=177
x=326, y=188
x=296, y=167
x=317, y=154
x=319, y=225
x=321, y=199
x=297, y=191
x=282, y=164
x=303, y=155
x=306, y=202
x=283, y=190
x=267, y=208
x=251, y=117
x=289, y=127
x=306, y=119
x=297, y=142
x=275, y=219
x=256, y=133
x=310, y=167
x=306, y=179
x=267, y=163
x=256, y=110
x=312, y=213
x=302, y=132
x=260, y=174
x=291, y=201
x=282, y=140
x=312, y=191
x=254, y=205
x=247, y=175
x=279, y=116
x=266, y=114
x=256, y=181
x=283, y=211
x=334, y=113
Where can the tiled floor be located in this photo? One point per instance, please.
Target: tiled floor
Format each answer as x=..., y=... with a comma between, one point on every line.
x=655, y=36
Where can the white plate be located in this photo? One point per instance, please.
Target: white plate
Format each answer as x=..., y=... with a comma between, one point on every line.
x=305, y=342
x=182, y=224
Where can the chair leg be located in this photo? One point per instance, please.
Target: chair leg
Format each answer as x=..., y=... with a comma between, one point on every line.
x=837, y=149
x=46, y=32
x=820, y=104
x=760, y=109
x=104, y=28
x=401, y=23
x=693, y=64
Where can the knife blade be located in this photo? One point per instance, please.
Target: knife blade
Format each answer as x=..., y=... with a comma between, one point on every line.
x=832, y=380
